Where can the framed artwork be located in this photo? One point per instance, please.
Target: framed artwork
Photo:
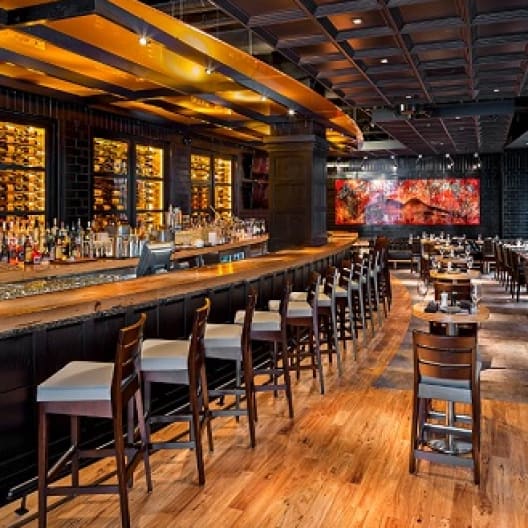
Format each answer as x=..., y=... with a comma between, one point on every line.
x=438, y=201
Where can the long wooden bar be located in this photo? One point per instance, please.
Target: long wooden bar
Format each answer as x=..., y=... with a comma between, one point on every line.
x=39, y=334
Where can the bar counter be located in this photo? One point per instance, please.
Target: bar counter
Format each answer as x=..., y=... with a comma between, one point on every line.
x=41, y=333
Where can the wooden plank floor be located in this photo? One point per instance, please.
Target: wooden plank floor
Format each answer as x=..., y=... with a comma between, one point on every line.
x=342, y=461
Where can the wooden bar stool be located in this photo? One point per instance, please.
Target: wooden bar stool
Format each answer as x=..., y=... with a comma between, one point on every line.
x=232, y=342
x=97, y=390
x=303, y=320
x=180, y=362
x=271, y=327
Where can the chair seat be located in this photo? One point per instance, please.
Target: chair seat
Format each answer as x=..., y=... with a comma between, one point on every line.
x=299, y=309
x=223, y=341
x=78, y=381
x=164, y=355
x=298, y=296
x=340, y=291
x=324, y=300
x=263, y=321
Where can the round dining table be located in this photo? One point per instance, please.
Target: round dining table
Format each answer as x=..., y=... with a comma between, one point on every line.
x=451, y=317
x=454, y=276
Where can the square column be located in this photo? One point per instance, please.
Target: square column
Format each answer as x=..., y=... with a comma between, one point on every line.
x=297, y=171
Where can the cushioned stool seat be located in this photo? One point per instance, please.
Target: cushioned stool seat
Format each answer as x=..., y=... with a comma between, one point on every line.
x=78, y=381
x=263, y=321
x=164, y=354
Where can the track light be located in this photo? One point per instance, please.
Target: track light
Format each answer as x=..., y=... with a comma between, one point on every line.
x=143, y=41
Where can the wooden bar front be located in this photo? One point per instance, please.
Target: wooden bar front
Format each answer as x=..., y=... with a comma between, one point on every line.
x=40, y=334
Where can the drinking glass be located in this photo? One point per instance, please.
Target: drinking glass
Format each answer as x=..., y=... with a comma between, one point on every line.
x=476, y=293
x=469, y=262
x=422, y=287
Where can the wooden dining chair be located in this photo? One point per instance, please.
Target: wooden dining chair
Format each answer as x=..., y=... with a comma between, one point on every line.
x=445, y=369
x=96, y=390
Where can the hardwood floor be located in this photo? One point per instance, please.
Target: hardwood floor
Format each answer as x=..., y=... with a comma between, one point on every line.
x=342, y=461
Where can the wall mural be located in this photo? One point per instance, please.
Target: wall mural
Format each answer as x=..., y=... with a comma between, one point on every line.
x=417, y=202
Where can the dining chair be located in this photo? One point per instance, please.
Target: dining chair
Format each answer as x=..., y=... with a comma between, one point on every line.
x=445, y=369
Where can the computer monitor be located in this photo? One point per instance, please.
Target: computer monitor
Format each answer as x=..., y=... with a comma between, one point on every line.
x=155, y=257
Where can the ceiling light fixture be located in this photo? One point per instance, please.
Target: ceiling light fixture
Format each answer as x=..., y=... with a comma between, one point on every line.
x=291, y=112
x=408, y=97
x=384, y=60
x=208, y=70
x=143, y=41
x=357, y=21
x=496, y=90
x=263, y=98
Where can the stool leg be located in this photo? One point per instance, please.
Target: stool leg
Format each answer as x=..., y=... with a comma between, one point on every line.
x=195, y=432
x=250, y=400
x=207, y=413
x=315, y=343
x=333, y=315
x=287, y=379
x=145, y=439
x=122, y=481
x=74, y=434
x=42, y=466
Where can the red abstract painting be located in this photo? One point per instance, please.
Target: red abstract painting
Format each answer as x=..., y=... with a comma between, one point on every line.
x=417, y=202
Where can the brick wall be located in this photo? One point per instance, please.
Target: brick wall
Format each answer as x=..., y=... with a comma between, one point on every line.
x=515, y=194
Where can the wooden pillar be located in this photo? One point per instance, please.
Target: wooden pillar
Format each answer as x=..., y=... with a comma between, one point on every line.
x=297, y=169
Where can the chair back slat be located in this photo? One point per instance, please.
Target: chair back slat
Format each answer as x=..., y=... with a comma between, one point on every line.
x=128, y=351
x=444, y=357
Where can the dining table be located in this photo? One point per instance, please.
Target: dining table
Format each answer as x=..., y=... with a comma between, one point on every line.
x=451, y=316
x=455, y=276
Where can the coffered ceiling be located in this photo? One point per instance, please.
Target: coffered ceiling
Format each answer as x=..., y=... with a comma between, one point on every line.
x=419, y=76
x=383, y=77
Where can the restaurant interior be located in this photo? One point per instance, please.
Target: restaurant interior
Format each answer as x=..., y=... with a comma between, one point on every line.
x=200, y=200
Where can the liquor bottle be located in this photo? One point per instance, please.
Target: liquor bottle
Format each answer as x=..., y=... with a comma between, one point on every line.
x=28, y=251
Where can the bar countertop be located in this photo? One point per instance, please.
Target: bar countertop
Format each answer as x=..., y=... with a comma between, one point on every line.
x=47, y=308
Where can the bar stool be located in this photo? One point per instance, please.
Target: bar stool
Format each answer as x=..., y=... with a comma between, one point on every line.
x=180, y=362
x=100, y=390
x=232, y=342
x=345, y=290
x=327, y=311
x=302, y=318
x=271, y=327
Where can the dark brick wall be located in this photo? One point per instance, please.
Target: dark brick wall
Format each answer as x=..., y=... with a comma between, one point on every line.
x=430, y=167
x=515, y=194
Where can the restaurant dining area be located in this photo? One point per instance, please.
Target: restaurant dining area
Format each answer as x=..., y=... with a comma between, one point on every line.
x=263, y=263
x=377, y=433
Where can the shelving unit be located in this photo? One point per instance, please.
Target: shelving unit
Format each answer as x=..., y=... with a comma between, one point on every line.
x=255, y=185
x=22, y=172
x=200, y=183
x=110, y=179
x=149, y=185
x=223, y=180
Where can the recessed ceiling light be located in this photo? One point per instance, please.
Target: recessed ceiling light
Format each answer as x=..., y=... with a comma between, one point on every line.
x=263, y=98
x=143, y=40
x=357, y=21
x=496, y=90
x=384, y=60
x=457, y=117
x=291, y=111
x=208, y=70
x=408, y=97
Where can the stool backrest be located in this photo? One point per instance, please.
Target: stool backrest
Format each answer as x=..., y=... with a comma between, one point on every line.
x=196, y=357
x=444, y=357
x=246, y=329
x=125, y=381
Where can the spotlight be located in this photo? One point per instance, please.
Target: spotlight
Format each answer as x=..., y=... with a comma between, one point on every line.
x=143, y=41
x=209, y=70
x=291, y=112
